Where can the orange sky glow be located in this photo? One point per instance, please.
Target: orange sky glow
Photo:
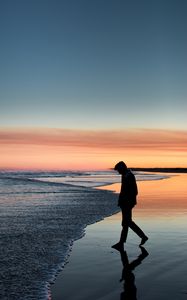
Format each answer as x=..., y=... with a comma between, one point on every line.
x=60, y=149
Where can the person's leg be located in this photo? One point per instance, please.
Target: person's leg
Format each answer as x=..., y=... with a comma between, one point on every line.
x=126, y=217
x=126, y=223
x=126, y=220
x=138, y=231
x=123, y=236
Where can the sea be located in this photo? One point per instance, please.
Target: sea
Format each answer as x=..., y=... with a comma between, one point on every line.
x=42, y=213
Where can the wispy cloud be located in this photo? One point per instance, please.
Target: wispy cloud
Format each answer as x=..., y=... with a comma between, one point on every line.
x=121, y=139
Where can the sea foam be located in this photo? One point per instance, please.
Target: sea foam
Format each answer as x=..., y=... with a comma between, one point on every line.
x=39, y=222
x=41, y=214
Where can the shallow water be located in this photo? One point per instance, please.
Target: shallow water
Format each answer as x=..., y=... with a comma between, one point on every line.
x=39, y=221
x=95, y=269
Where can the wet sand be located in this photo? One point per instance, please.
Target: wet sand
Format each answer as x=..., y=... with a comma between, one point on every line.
x=95, y=269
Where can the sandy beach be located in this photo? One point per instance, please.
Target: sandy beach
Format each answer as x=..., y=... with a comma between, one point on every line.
x=158, y=271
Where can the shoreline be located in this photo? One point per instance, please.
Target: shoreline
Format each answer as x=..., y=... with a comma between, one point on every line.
x=93, y=262
x=150, y=169
x=39, y=222
x=161, y=170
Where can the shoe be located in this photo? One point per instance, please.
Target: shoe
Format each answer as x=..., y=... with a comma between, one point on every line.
x=118, y=246
x=144, y=239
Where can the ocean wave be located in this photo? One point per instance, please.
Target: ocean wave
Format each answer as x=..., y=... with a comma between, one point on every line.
x=41, y=214
x=39, y=223
x=77, y=178
x=97, y=179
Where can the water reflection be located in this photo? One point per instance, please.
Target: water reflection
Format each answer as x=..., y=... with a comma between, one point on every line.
x=130, y=290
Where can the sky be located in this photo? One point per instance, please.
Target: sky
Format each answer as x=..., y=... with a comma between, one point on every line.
x=112, y=68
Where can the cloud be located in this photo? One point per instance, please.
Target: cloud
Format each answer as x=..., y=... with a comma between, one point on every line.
x=106, y=139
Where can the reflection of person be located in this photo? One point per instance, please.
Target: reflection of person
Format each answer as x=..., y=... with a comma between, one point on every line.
x=127, y=200
x=128, y=277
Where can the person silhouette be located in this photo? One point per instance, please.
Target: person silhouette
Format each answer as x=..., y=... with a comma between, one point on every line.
x=127, y=200
x=130, y=290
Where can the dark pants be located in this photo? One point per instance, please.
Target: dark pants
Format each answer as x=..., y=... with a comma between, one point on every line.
x=128, y=222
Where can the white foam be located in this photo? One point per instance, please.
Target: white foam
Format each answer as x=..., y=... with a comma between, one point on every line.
x=98, y=178
x=40, y=217
x=39, y=221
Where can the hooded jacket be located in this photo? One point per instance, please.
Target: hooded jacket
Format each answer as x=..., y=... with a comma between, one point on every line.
x=129, y=190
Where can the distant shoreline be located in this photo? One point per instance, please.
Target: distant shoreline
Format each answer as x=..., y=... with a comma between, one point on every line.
x=162, y=170
x=158, y=169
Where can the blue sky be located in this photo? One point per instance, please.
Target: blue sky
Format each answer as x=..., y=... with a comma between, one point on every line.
x=97, y=64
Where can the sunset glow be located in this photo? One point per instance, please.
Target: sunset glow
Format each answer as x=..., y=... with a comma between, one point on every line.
x=86, y=149
x=85, y=85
